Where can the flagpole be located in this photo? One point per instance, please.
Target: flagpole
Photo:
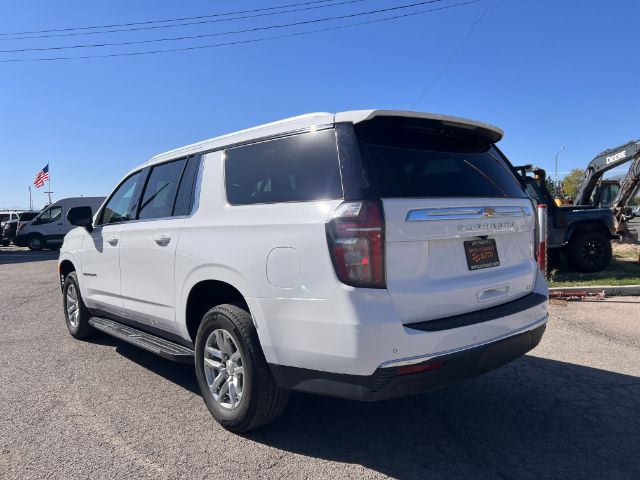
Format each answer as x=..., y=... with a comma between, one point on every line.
x=30, y=201
x=49, y=180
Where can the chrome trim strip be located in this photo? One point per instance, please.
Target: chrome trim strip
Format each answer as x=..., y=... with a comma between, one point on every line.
x=265, y=138
x=457, y=213
x=424, y=358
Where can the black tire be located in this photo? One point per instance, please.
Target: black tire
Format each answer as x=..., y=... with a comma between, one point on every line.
x=5, y=243
x=589, y=251
x=36, y=243
x=78, y=328
x=262, y=400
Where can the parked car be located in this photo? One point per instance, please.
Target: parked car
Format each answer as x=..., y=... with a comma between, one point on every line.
x=49, y=227
x=635, y=212
x=26, y=217
x=8, y=233
x=8, y=219
x=7, y=216
x=364, y=255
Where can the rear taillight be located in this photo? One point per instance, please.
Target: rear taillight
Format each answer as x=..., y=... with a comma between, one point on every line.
x=535, y=233
x=355, y=235
x=541, y=246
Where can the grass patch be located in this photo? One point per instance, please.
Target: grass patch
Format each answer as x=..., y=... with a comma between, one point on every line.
x=624, y=269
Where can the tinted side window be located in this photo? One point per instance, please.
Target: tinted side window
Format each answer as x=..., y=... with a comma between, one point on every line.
x=120, y=206
x=161, y=189
x=292, y=169
x=184, y=199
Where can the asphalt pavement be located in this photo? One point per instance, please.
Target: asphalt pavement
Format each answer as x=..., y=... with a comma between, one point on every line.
x=104, y=409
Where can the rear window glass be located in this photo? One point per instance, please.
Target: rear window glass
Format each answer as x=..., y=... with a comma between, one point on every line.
x=184, y=199
x=161, y=189
x=298, y=168
x=413, y=158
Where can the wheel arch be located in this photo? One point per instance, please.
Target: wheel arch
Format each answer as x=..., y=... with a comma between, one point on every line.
x=583, y=227
x=207, y=287
x=65, y=267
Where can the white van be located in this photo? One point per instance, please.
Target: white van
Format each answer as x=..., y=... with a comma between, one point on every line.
x=48, y=229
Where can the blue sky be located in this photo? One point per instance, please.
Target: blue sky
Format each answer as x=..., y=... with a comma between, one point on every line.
x=550, y=73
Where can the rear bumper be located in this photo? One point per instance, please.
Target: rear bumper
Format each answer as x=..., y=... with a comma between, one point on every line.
x=387, y=381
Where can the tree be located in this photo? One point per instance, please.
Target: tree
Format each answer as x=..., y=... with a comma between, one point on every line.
x=551, y=186
x=571, y=182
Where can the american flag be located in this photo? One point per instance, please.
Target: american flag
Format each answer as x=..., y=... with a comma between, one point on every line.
x=41, y=177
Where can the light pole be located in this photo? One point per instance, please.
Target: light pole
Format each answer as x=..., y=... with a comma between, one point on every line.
x=561, y=149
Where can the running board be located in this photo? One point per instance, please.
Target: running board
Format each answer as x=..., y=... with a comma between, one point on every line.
x=151, y=343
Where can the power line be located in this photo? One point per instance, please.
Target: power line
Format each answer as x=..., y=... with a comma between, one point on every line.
x=239, y=42
x=217, y=34
x=453, y=56
x=147, y=22
x=217, y=20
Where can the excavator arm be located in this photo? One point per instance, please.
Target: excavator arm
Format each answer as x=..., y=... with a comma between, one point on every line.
x=602, y=163
x=629, y=186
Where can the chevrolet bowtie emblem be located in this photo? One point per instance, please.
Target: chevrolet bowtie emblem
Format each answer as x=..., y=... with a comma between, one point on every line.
x=489, y=212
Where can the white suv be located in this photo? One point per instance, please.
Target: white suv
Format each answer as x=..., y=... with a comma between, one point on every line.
x=363, y=255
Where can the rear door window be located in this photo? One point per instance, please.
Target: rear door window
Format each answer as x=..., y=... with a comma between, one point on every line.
x=160, y=192
x=297, y=168
x=184, y=199
x=412, y=158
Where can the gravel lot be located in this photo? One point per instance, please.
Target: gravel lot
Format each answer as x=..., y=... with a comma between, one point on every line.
x=104, y=409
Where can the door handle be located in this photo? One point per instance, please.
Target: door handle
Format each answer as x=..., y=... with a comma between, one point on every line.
x=162, y=240
x=113, y=241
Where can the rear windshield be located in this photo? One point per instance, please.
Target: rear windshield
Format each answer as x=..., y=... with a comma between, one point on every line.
x=417, y=158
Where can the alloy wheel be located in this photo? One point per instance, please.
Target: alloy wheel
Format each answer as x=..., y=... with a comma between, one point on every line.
x=224, y=369
x=73, y=310
x=592, y=251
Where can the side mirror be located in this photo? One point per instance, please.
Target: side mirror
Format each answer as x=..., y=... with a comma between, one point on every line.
x=81, y=217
